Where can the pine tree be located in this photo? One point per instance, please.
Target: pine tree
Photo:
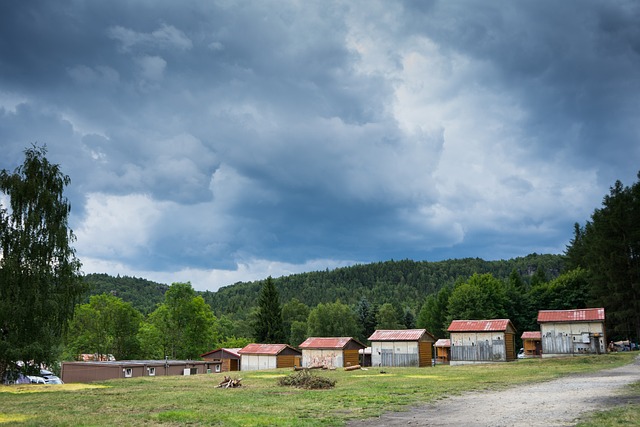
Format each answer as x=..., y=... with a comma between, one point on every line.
x=268, y=325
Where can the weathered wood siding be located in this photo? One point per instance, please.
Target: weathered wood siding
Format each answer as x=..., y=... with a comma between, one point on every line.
x=286, y=361
x=478, y=347
x=425, y=353
x=254, y=362
x=323, y=357
x=560, y=339
x=394, y=353
x=351, y=357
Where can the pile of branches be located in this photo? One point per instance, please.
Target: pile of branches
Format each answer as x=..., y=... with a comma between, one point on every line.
x=307, y=380
x=229, y=382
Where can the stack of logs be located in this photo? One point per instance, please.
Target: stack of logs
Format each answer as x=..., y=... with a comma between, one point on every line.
x=229, y=382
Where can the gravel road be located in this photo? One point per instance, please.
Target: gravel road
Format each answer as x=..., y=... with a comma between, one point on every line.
x=552, y=403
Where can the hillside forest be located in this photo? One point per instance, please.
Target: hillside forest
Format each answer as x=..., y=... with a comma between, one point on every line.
x=135, y=318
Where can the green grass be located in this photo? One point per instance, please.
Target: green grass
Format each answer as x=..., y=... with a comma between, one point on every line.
x=195, y=400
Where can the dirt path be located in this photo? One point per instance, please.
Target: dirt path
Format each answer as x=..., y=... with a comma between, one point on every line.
x=553, y=403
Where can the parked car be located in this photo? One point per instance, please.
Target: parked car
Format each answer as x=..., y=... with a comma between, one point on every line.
x=50, y=377
x=521, y=353
x=36, y=380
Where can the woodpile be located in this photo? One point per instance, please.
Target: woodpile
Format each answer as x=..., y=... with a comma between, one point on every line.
x=229, y=382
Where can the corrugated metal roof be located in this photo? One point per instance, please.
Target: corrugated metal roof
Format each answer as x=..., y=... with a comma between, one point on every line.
x=532, y=335
x=479, y=325
x=398, y=335
x=443, y=342
x=233, y=351
x=268, y=349
x=338, y=342
x=577, y=315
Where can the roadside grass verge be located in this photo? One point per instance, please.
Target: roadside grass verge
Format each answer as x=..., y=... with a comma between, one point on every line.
x=625, y=413
x=196, y=400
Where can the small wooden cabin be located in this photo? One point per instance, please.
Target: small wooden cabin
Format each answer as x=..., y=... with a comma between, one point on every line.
x=443, y=351
x=223, y=359
x=532, y=343
x=482, y=341
x=85, y=372
x=268, y=356
x=572, y=332
x=403, y=347
x=331, y=352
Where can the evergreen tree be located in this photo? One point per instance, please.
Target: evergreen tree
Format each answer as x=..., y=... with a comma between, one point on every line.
x=608, y=247
x=366, y=318
x=409, y=319
x=39, y=281
x=268, y=325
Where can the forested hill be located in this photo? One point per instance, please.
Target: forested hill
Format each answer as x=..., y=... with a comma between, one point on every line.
x=406, y=283
x=143, y=294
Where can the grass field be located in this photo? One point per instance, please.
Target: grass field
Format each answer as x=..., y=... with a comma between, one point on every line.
x=195, y=400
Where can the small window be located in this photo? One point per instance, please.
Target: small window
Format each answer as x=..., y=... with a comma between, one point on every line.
x=128, y=372
x=218, y=368
x=152, y=372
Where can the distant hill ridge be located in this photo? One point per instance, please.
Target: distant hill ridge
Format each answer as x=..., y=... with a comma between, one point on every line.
x=405, y=282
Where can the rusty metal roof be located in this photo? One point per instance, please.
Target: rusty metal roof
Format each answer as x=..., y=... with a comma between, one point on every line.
x=531, y=335
x=443, y=342
x=268, y=349
x=338, y=342
x=479, y=325
x=577, y=315
x=399, y=335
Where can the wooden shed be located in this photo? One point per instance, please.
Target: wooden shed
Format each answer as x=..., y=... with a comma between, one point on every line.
x=85, y=372
x=482, y=341
x=331, y=352
x=532, y=343
x=443, y=351
x=572, y=332
x=402, y=347
x=223, y=359
x=268, y=356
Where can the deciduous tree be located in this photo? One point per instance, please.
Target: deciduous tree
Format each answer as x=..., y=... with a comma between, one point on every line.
x=39, y=282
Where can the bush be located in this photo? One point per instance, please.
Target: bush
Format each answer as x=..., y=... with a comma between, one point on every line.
x=305, y=379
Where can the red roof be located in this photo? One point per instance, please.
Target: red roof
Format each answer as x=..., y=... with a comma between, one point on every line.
x=578, y=315
x=479, y=325
x=532, y=335
x=268, y=349
x=340, y=342
x=442, y=342
x=399, y=335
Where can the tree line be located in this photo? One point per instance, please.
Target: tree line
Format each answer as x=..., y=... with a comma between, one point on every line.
x=43, y=314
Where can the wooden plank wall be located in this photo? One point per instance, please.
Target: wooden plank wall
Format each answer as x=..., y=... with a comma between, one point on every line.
x=425, y=353
x=351, y=357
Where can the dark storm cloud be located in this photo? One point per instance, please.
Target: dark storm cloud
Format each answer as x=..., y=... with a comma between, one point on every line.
x=266, y=138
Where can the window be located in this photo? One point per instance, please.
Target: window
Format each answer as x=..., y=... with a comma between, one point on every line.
x=128, y=372
x=218, y=368
x=152, y=372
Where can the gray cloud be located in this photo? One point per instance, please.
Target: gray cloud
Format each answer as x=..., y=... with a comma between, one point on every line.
x=213, y=139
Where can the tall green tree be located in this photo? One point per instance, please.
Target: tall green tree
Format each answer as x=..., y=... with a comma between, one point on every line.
x=366, y=313
x=332, y=320
x=268, y=325
x=39, y=281
x=293, y=311
x=481, y=297
x=434, y=313
x=106, y=325
x=608, y=246
x=183, y=327
x=388, y=317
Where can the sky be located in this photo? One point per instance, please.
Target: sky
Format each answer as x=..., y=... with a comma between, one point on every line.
x=218, y=141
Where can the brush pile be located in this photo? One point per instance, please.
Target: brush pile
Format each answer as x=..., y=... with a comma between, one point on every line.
x=307, y=380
